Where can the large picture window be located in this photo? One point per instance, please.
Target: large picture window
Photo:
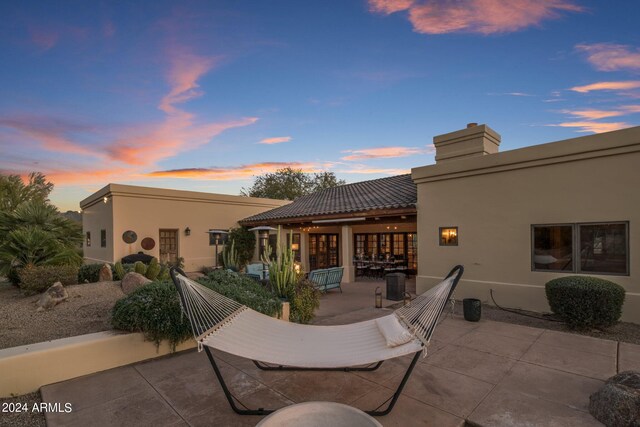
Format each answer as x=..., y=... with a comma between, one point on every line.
x=595, y=248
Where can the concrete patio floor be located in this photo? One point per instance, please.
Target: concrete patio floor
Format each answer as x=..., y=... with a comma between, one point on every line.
x=486, y=373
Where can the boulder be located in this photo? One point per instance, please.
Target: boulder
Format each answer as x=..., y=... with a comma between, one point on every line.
x=106, y=275
x=617, y=403
x=52, y=296
x=132, y=281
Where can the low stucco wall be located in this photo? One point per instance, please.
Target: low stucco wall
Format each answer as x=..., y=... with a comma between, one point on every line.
x=27, y=368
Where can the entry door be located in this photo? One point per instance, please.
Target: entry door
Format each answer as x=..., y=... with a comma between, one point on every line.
x=168, y=246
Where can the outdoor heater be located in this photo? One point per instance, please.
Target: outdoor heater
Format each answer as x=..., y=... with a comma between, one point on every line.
x=217, y=236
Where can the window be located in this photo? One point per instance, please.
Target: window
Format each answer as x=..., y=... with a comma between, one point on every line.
x=594, y=248
x=88, y=238
x=603, y=248
x=103, y=238
x=448, y=236
x=553, y=247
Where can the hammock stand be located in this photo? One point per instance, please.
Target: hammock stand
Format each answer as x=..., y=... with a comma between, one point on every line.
x=202, y=330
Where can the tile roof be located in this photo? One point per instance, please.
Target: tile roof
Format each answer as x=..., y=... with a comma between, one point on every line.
x=394, y=192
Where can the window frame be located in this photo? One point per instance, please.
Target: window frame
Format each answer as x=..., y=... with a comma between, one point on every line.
x=576, y=243
x=87, y=237
x=103, y=238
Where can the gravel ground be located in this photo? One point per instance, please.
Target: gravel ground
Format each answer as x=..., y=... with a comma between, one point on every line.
x=623, y=331
x=28, y=418
x=87, y=310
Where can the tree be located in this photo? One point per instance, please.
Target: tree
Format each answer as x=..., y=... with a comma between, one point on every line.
x=32, y=231
x=13, y=190
x=289, y=184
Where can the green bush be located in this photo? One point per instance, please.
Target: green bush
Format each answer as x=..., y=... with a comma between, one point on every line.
x=36, y=279
x=304, y=300
x=140, y=268
x=153, y=270
x=89, y=273
x=244, y=290
x=154, y=310
x=245, y=244
x=584, y=301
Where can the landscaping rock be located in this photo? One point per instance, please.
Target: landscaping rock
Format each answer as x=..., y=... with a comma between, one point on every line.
x=106, y=275
x=617, y=403
x=132, y=281
x=52, y=296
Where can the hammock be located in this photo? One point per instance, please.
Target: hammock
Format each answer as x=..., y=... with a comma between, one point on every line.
x=224, y=324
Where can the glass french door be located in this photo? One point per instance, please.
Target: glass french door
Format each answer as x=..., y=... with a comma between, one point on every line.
x=323, y=251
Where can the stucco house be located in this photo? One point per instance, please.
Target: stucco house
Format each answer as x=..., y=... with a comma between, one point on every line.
x=514, y=219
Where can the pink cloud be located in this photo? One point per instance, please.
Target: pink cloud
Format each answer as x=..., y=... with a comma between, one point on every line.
x=626, y=85
x=611, y=57
x=594, y=127
x=275, y=140
x=385, y=152
x=389, y=6
x=52, y=134
x=44, y=38
x=475, y=16
x=233, y=172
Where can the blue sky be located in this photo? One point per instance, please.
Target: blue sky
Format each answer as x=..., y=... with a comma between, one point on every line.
x=205, y=95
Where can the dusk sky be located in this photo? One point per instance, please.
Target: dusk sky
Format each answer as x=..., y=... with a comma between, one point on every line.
x=204, y=95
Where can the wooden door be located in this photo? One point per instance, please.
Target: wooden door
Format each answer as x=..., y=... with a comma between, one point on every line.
x=168, y=246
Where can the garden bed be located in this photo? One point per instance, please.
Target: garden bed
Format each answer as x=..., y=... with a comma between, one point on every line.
x=87, y=310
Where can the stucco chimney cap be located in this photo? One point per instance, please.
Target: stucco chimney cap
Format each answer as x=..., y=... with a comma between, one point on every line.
x=472, y=125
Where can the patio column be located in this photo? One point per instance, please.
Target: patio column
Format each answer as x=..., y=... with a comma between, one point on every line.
x=349, y=275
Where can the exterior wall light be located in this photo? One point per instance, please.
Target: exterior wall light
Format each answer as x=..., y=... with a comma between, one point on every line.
x=105, y=199
x=378, y=297
x=187, y=231
x=448, y=236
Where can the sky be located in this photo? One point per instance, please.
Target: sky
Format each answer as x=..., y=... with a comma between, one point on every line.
x=203, y=96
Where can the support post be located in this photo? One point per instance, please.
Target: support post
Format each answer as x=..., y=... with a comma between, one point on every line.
x=346, y=236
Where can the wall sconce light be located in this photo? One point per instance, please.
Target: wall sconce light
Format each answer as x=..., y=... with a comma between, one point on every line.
x=448, y=236
x=187, y=231
x=105, y=199
x=378, y=297
x=295, y=246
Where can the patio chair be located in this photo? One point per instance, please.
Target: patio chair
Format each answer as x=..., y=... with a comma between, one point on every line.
x=226, y=325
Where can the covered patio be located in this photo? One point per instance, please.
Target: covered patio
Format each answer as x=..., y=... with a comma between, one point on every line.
x=369, y=228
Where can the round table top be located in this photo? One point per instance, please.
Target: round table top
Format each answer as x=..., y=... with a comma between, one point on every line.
x=319, y=414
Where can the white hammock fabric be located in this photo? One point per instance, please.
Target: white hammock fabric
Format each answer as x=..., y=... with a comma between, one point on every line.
x=226, y=325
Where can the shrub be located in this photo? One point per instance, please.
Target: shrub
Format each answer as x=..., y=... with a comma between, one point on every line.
x=244, y=290
x=584, y=301
x=304, y=300
x=154, y=310
x=245, y=244
x=36, y=279
x=153, y=270
x=89, y=273
x=140, y=268
x=118, y=271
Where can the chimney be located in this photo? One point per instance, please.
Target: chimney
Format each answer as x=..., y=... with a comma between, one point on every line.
x=475, y=140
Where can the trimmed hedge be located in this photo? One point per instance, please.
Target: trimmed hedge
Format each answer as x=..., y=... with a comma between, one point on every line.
x=89, y=273
x=36, y=279
x=585, y=301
